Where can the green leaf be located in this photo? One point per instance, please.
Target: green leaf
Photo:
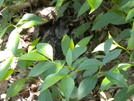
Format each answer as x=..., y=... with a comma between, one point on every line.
x=69, y=57
x=90, y=63
x=90, y=72
x=115, y=78
x=51, y=80
x=30, y=17
x=40, y=68
x=71, y=44
x=1, y=2
x=32, y=46
x=130, y=14
x=65, y=45
x=84, y=41
x=82, y=29
x=62, y=10
x=58, y=4
x=78, y=51
x=107, y=45
x=45, y=49
x=8, y=74
x=124, y=34
x=78, y=61
x=15, y=88
x=67, y=86
x=124, y=93
x=86, y=86
x=77, y=6
x=106, y=84
x=94, y=4
x=85, y=7
x=32, y=56
x=2, y=32
x=111, y=56
x=13, y=40
x=131, y=40
x=45, y=96
x=4, y=66
x=108, y=18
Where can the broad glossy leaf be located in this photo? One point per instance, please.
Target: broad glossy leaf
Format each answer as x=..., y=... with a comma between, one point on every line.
x=82, y=29
x=131, y=40
x=40, y=68
x=85, y=7
x=67, y=86
x=94, y=4
x=45, y=49
x=90, y=63
x=71, y=44
x=13, y=40
x=65, y=44
x=78, y=51
x=83, y=42
x=108, y=18
x=69, y=57
x=115, y=78
x=106, y=84
x=124, y=93
x=86, y=86
x=51, y=80
x=111, y=56
x=45, y=96
x=32, y=56
x=4, y=66
x=108, y=45
x=15, y=88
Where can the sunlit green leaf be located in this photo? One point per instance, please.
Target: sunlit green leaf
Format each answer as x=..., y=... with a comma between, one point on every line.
x=130, y=14
x=45, y=96
x=15, y=88
x=13, y=40
x=111, y=55
x=94, y=4
x=67, y=86
x=58, y=4
x=2, y=32
x=115, y=78
x=32, y=56
x=40, y=68
x=45, y=49
x=4, y=66
x=86, y=86
x=106, y=84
